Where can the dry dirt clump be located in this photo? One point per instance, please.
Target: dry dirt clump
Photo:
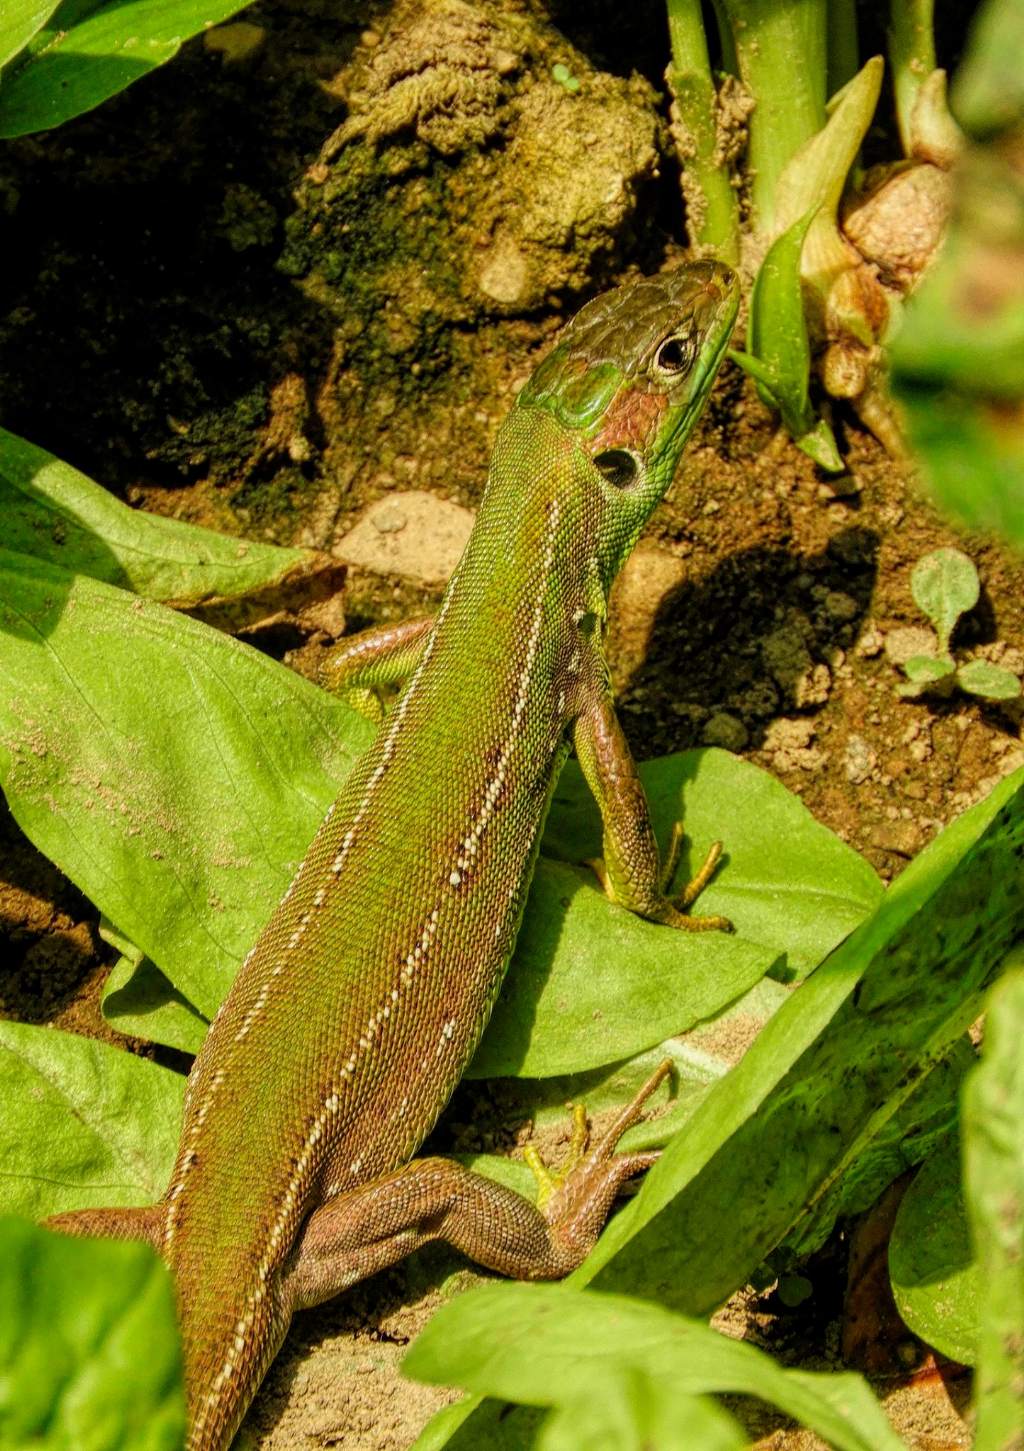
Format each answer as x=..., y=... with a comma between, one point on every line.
x=494, y=121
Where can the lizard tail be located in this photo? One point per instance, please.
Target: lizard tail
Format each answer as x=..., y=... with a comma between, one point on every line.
x=228, y=1341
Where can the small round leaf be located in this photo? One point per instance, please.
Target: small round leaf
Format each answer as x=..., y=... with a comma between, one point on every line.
x=978, y=677
x=945, y=586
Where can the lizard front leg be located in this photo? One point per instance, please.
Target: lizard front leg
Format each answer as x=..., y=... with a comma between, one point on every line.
x=366, y=1230
x=631, y=872
x=359, y=666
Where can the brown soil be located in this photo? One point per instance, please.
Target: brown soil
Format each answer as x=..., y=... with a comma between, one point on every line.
x=149, y=335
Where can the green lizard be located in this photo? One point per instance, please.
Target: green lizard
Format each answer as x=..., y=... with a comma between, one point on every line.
x=356, y=1012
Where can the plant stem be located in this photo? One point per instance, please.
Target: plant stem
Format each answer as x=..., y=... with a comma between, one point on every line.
x=725, y=40
x=843, y=51
x=712, y=210
x=781, y=52
x=912, y=57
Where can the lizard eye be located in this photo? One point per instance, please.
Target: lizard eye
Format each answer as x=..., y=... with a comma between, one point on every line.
x=674, y=357
x=620, y=466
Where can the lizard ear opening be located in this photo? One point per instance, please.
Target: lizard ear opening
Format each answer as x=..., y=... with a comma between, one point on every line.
x=620, y=466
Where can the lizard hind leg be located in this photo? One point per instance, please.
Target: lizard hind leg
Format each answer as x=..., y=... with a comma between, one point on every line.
x=365, y=1230
x=145, y=1222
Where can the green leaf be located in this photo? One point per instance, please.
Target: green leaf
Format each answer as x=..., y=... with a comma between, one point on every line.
x=786, y=881
x=630, y=1411
x=19, y=21
x=778, y=355
x=917, y=1127
x=175, y=775
x=82, y=1125
x=923, y=669
x=934, y=1277
x=989, y=90
x=945, y=586
x=819, y=1083
x=546, y=1345
x=90, y=50
x=828, y=1070
x=978, y=677
x=54, y=513
x=138, y=999
x=776, y=327
x=993, y=1113
x=972, y=453
x=89, y=1355
x=592, y=983
x=958, y=359
x=819, y=443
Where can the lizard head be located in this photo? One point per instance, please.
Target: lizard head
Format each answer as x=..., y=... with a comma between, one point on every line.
x=629, y=376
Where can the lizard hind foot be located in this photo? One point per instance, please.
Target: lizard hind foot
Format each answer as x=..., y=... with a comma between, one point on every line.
x=576, y=1199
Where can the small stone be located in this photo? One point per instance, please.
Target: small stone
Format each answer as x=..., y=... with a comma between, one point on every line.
x=841, y=606
x=788, y=734
x=788, y=742
x=902, y=837
x=388, y=518
x=649, y=576
x=870, y=643
x=909, y=640
x=413, y=535
x=726, y=731
x=859, y=760
x=790, y=665
x=504, y=274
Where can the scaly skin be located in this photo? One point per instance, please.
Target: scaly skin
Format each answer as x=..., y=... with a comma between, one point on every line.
x=356, y=1012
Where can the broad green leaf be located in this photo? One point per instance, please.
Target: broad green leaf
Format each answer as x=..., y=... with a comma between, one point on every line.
x=786, y=881
x=992, y=682
x=919, y=1125
x=931, y=1265
x=139, y=1000
x=971, y=451
x=631, y=1411
x=993, y=1113
x=951, y=338
x=89, y=1354
x=82, y=1125
x=90, y=51
x=945, y=586
x=957, y=362
x=828, y=1070
x=54, y=513
x=989, y=90
x=592, y=983
x=546, y=1345
x=19, y=21
x=175, y=775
